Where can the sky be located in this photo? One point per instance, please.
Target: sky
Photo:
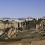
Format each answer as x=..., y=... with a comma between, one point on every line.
x=22, y=8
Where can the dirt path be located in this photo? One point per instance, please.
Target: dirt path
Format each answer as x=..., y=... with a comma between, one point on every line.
x=10, y=43
x=41, y=42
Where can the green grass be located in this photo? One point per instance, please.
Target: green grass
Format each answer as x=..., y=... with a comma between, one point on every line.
x=30, y=35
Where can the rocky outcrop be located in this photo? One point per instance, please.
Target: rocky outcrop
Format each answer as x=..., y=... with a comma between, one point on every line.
x=8, y=30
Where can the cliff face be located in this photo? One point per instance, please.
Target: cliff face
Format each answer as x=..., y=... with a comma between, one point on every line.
x=7, y=30
x=2, y=26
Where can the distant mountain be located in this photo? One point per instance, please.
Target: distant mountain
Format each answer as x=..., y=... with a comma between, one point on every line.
x=29, y=17
x=21, y=18
x=25, y=18
x=43, y=17
x=8, y=18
